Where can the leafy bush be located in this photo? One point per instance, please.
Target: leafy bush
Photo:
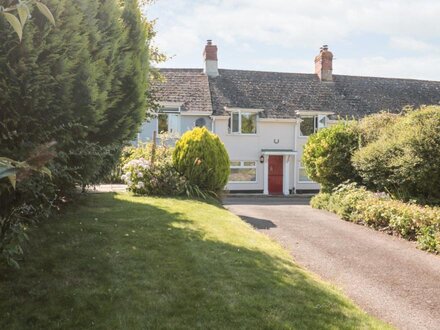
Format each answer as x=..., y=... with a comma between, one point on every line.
x=370, y=128
x=158, y=178
x=202, y=159
x=411, y=221
x=143, y=178
x=327, y=155
x=404, y=160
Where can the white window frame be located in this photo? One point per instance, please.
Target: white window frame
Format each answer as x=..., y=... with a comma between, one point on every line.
x=316, y=123
x=302, y=167
x=240, y=113
x=243, y=166
x=167, y=111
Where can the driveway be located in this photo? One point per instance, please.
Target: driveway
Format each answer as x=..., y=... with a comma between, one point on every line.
x=387, y=276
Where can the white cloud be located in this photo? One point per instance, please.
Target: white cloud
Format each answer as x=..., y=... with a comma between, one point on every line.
x=413, y=45
x=424, y=67
x=264, y=26
x=401, y=67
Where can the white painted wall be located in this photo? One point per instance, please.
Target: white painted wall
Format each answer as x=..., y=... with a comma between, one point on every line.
x=248, y=147
x=186, y=123
x=270, y=135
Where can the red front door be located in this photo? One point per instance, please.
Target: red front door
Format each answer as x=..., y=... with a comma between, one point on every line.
x=275, y=175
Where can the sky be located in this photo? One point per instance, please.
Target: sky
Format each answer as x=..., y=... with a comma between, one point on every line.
x=383, y=38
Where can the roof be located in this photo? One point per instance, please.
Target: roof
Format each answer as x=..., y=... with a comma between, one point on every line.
x=189, y=87
x=282, y=95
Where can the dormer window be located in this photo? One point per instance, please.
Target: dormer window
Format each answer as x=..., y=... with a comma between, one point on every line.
x=311, y=124
x=242, y=122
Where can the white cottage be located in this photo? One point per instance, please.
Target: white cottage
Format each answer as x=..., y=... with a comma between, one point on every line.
x=265, y=118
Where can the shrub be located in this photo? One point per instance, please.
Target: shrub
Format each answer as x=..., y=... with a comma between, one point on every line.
x=202, y=159
x=411, y=221
x=370, y=128
x=404, y=160
x=161, y=178
x=327, y=155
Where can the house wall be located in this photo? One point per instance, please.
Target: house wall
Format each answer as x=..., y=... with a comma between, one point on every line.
x=187, y=122
x=270, y=135
x=146, y=131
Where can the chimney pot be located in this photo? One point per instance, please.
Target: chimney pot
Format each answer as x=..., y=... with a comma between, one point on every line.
x=211, y=60
x=324, y=64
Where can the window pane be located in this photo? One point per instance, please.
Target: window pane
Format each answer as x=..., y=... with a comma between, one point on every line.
x=163, y=123
x=235, y=120
x=252, y=164
x=307, y=126
x=248, y=123
x=235, y=163
x=303, y=175
x=243, y=175
x=321, y=121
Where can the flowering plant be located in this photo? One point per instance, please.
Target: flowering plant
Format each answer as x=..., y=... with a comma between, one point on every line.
x=143, y=178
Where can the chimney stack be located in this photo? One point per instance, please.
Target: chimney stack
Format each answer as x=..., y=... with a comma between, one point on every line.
x=211, y=60
x=324, y=64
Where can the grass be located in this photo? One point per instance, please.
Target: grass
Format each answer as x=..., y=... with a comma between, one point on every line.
x=124, y=262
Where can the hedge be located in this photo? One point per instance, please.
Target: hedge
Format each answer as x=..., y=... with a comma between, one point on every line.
x=405, y=159
x=380, y=211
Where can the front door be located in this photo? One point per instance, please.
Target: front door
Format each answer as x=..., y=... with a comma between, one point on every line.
x=275, y=175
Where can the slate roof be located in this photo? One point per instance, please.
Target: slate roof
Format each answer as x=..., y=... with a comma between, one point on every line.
x=187, y=86
x=281, y=95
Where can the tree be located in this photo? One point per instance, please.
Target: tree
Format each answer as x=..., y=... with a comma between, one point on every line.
x=81, y=83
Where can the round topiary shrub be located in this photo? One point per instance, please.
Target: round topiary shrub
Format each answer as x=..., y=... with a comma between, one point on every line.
x=202, y=159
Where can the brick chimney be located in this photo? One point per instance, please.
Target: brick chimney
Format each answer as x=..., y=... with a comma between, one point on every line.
x=211, y=60
x=324, y=64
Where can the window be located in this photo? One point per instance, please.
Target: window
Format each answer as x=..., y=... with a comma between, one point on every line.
x=162, y=123
x=168, y=123
x=311, y=124
x=303, y=174
x=243, y=171
x=243, y=122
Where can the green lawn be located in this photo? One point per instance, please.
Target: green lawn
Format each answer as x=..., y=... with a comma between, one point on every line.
x=124, y=262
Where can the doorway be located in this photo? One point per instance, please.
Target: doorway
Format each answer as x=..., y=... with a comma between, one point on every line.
x=276, y=175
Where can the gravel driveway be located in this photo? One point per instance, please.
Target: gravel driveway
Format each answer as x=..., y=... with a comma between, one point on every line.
x=387, y=276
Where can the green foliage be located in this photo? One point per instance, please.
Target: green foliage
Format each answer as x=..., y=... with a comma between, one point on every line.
x=202, y=159
x=411, y=221
x=24, y=13
x=404, y=159
x=372, y=127
x=15, y=217
x=82, y=83
x=327, y=155
x=154, y=179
